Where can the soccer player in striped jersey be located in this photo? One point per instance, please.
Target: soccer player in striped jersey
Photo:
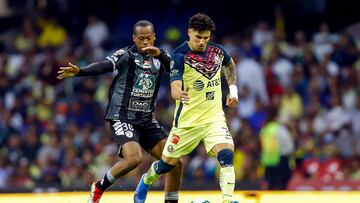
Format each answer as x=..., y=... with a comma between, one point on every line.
x=130, y=109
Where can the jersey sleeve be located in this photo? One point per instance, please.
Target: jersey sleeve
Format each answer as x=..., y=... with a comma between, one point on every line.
x=176, y=67
x=165, y=59
x=227, y=57
x=116, y=58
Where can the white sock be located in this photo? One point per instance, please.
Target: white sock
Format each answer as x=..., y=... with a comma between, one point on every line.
x=171, y=195
x=227, y=182
x=110, y=177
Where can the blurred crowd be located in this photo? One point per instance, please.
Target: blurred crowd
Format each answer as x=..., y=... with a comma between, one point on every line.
x=52, y=132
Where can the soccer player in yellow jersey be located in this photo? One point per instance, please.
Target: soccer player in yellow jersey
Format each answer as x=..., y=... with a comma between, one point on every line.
x=198, y=117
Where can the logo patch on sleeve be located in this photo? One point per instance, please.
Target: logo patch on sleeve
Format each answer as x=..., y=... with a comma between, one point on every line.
x=175, y=139
x=119, y=52
x=170, y=148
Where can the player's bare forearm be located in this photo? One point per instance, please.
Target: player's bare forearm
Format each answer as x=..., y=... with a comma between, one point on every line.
x=176, y=89
x=229, y=71
x=177, y=93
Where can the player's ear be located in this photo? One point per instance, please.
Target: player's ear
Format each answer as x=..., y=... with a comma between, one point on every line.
x=154, y=36
x=189, y=32
x=133, y=37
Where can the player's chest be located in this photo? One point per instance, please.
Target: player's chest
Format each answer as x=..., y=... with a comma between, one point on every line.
x=207, y=64
x=140, y=64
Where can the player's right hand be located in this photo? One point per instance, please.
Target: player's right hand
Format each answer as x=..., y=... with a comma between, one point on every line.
x=68, y=71
x=182, y=95
x=151, y=50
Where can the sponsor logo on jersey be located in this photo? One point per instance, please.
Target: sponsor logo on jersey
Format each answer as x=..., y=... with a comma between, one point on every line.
x=144, y=85
x=175, y=139
x=139, y=105
x=198, y=85
x=147, y=65
x=213, y=83
x=137, y=62
x=117, y=55
x=210, y=95
x=173, y=72
x=119, y=52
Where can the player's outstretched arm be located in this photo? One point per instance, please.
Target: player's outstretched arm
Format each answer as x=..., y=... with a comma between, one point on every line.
x=96, y=68
x=177, y=93
x=67, y=71
x=230, y=75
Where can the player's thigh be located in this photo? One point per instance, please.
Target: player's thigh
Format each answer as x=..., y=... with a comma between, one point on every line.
x=123, y=132
x=152, y=137
x=182, y=141
x=156, y=151
x=131, y=150
x=217, y=135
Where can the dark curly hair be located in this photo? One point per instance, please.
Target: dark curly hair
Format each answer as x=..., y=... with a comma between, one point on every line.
x=201, y=22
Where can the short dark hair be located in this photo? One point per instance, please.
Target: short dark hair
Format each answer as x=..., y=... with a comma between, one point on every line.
x=201, y=22
x=273, y=113
x=143, y=23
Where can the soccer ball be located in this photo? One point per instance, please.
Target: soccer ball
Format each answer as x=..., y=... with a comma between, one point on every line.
x=200, y=201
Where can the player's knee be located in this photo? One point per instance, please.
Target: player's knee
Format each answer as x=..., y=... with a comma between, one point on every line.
x=178, y=168
x=134, y=161
x=225, y=157
x=163, y=167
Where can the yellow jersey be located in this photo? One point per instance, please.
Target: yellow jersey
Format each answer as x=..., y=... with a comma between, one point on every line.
x=200, y=74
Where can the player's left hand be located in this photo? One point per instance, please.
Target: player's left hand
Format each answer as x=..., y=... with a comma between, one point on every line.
x=232, y=101
x=151, y=50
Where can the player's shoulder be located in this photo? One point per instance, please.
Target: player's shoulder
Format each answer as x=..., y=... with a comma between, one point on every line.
x=120, y=52
x=181, y=49
x=218, y=46
x=116, y=56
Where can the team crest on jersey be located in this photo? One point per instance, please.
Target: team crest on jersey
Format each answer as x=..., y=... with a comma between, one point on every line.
x=170, y=148
x=147, y=65
x=129, y=134
x=209, y=65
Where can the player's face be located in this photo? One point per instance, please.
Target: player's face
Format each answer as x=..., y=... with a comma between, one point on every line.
x=144, y=36
x=198, y=40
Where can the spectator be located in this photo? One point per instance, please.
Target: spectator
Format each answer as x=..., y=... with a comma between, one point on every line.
x=277, y=145
x=52, y=33
x=96, y=32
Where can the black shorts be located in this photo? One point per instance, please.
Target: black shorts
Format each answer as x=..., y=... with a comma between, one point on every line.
x=148, y=133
